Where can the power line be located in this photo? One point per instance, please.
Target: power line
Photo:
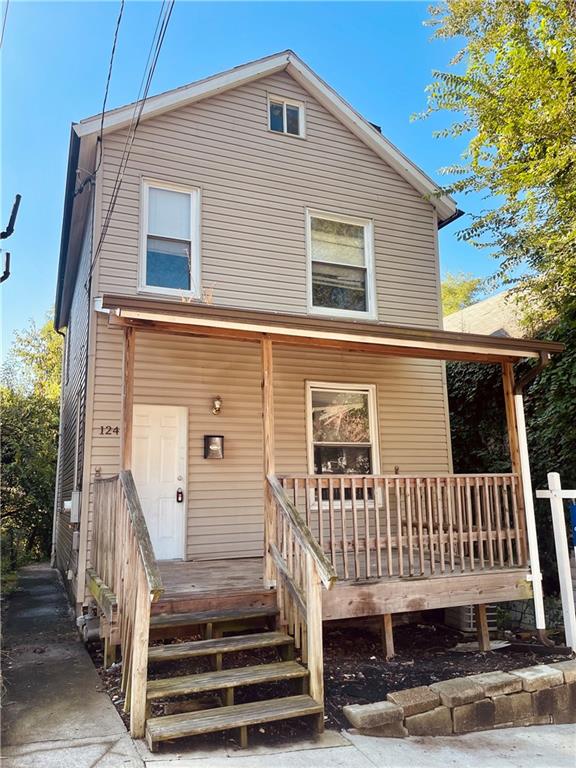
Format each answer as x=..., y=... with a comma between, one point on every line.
x=152, y=60
x=4, y=23
x=107, y=87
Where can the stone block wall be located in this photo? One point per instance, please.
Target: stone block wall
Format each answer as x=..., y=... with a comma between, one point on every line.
x=531, y=696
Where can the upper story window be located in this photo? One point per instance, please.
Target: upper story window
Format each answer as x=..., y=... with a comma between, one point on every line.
x=286, y=116
x=341, y=273
x=170, y=259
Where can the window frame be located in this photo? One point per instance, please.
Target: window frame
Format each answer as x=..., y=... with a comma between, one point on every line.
x=195, y=290
x=340, y=386
x=285, y=101
x=370, y=313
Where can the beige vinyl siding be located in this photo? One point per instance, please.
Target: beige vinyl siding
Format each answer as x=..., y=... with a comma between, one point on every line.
x=72, y=414
x=255, y=186
x=225, y=498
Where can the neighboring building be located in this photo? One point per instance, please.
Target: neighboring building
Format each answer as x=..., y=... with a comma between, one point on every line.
x=498, y=315
x=253, y=341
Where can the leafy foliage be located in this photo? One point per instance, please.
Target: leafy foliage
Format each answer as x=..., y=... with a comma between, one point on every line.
x=478, y=424
x=30, y=413
x=459, y=291
x=513, y=93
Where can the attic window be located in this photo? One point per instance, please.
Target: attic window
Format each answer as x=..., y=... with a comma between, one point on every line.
x=286, y=116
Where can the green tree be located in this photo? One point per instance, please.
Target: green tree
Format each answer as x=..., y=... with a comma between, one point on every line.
x=512, y=92
x=478, y=424
x=29, y=408
x=459, y=291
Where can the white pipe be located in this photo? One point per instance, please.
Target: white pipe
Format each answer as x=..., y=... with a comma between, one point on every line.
x=563, y=559
x=531, y=534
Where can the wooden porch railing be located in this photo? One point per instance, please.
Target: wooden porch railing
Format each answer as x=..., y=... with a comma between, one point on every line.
x=123, y=558
x=397, y=526
x=301, y=569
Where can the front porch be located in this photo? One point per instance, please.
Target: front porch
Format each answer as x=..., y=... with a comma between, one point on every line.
x=334, y=545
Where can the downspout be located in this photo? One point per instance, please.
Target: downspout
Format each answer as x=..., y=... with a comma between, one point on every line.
x=57, y=489
x=535, y=572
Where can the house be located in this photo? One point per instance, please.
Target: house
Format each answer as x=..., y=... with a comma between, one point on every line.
x=498, y=315
x=254, y=420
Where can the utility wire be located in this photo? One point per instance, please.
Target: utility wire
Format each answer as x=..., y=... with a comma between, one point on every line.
x=4, y=23
x=152, y=60
x=92, y=176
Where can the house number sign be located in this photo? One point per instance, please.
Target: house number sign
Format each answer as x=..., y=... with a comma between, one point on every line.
x=108, y=429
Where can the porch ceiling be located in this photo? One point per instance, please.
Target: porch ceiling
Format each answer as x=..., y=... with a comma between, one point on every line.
x=372, y=337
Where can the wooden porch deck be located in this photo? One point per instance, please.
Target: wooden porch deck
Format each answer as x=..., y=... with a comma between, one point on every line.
x=215, y=584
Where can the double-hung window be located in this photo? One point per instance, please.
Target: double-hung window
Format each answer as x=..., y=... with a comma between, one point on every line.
x=285, y=116
x=170, y=259
x=342, y=429
x=341, y=274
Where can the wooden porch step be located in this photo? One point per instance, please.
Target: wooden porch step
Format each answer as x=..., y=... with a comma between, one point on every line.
x=232, y=644
x=225, y=678
x=223, y=718
x=169, y=620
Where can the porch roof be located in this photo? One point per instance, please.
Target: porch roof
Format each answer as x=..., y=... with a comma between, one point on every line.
x=374, y=337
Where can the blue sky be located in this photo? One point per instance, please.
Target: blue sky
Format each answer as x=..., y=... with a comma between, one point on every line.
x=378, y=55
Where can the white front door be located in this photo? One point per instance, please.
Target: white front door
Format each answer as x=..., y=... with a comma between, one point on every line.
x=159, y=461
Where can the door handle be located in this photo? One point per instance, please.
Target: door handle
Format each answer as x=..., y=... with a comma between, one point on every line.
x=179, y=495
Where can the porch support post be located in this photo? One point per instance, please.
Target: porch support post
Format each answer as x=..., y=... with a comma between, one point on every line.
x=387, y=636
x=536, y=574
x=127, y=398
x=482, y=627
x=512, y=426
x=269, y=459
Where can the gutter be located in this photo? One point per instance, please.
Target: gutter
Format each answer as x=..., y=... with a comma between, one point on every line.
x=534, y=555
x=73, y=153
x=458, y=213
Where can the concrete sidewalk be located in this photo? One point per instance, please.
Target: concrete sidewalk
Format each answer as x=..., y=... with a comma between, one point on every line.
x=55, y=713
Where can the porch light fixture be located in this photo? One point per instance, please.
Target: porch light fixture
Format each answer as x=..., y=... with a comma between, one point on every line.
x=216, y=405
x=213, y=446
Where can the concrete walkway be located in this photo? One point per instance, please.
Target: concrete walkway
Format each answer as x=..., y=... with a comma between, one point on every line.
x=55, y=713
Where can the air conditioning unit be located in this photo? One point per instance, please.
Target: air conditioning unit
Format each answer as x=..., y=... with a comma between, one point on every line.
x=463, y=618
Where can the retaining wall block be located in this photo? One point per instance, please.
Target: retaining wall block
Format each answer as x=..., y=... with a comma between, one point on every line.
x=541, y=676
x=549, y=701
x=368, y=716
x=461, y=690
x=415, y=700
x=497, y=683
x=568, y=669
x=478, y=716
x=392, y=730
x=435, y=722
x=513, y=707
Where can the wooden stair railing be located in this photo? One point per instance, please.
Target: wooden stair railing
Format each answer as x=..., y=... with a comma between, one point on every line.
x=302, y=569
x=123, y=559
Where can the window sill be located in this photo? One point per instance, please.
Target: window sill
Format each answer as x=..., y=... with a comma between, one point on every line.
x=169, y=293
x=342, y=314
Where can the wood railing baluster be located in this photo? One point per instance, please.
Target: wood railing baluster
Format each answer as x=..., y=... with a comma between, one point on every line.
x=389, y=560
x=479, y=523
x=459, y=514
x=355, y=528
x=450, y=512
x=399, y=527
x=430, y=512
x=441, y=537
x=498, y=521
x=408, y=509
x=367, y=528
x=344, y=529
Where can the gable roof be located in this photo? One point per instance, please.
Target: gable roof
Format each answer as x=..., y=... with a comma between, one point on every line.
x=85, y=133
x=285, y=61
x=498, y=315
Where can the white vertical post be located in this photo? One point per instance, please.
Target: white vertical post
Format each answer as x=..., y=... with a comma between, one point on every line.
x=529, y=511
x=562, y=559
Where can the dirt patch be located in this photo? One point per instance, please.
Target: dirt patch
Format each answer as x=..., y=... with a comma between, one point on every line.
x=355, y=672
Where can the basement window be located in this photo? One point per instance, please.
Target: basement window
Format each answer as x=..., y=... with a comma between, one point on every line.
x=286, y=116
